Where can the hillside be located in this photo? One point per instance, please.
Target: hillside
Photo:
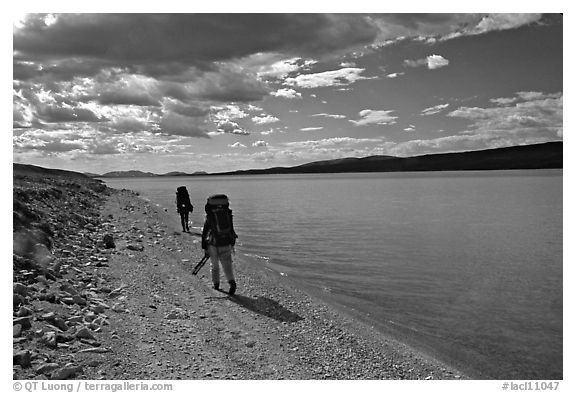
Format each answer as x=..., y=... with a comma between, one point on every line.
x=540, y=156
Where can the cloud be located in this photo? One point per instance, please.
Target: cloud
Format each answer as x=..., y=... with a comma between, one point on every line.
x=370, y=116
x=341, y=77
x=230, y=127
x=260, y=144
x=339, y=141
x=311, y=128
x=237, y=145
x=432, y=62
x=265, y=119
x=329, y=115
x=175, y=124
x=541, y=115
x=58, y=114
x=434, y=109
x=227, y=112
x=163, y=38
x=286, y=93
x=410, y=128
x=433, y=27
x=394, y=75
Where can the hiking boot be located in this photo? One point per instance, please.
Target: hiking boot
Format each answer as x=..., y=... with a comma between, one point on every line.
x=232, y=287
x=217, y=286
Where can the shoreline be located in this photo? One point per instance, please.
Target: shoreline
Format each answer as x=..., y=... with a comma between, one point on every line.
x=138, y=313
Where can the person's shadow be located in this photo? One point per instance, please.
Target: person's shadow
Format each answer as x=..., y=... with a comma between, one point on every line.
x=267, y=307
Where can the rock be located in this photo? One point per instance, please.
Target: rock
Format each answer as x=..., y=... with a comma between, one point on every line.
x=20, y=289
x=94, y=350
x=85, y=333
x=25, y=322
x=98, y=308
x=172, y=315
x=79, y=300
x=53, y=320
x=67, y=300
x=47, y=368
x=66, y=372
x=49, y=339
x=69, y=289
x=17, y=300
x=16, y=330
x=109, y=241
x=64, y=338
x=75, y=319
x=135, y=247
x=23, y=311
x=22, y=358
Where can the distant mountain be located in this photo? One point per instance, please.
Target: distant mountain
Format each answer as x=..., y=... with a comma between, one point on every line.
x=128, y=174
x=175, y=174
x=539, y=156
x=31, y=170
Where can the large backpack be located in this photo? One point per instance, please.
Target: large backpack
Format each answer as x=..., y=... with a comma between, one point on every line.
x=219, y=218
x=183, y=199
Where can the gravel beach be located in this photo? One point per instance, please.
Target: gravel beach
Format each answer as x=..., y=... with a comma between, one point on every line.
x=103, y=289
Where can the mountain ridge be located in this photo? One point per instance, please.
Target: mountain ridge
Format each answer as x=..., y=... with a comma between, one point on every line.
x=537, y=156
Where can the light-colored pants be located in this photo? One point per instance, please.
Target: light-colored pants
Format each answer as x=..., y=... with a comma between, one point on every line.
x=224, y=255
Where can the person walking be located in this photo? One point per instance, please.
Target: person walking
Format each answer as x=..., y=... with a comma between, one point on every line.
x=219, y=238
x=184, y=207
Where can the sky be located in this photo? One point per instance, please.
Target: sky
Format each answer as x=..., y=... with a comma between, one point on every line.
x=218, y=92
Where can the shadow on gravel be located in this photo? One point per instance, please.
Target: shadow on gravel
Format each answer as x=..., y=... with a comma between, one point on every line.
x=267, y=307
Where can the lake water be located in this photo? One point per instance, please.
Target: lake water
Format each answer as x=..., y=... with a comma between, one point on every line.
x=466, y=266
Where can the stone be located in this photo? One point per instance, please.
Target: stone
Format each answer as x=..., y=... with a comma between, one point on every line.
x=16, y=330
x=49, y=339
x=135, y=247
x=66, y=372
x=79, y=300
x=47, y=368
x=23, y=312
x=68, y=288
x=109, y=241
x=94, y=350
x=18, y=300
x=22, y=358
x=53, y=320
x=25, y=322
x=85, y=333
x=20, y=289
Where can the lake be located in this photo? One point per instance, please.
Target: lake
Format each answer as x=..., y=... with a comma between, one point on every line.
x=465, y=266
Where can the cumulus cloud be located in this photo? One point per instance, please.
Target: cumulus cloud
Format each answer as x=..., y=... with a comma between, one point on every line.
x=237, y=145
x=432, y=62
x=260, y=144
x=434, y=109
x=369, y=116
x=230, y=127
x=286, y=93
x=341, y=77
x=394, y=75
x=265, y=119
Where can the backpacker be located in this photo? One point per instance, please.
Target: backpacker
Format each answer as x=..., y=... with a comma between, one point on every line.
x=183, y=200
x=219, y=218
